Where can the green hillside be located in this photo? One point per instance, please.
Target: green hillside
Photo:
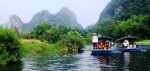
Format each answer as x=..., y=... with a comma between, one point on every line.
x=125, y=17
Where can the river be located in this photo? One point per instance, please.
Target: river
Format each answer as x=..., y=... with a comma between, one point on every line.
x=83, y=61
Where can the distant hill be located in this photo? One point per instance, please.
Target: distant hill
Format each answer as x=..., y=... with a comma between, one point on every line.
x=124, y=9
x=64, y=17
x=125, y=17
x=4, y=25
x=14, y=21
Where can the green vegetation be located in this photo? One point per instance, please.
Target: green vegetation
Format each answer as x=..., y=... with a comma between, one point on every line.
x=61, y=39
x=143, y=42
x=121, y=18
x=63, y=36
x=36, y=46
x=10, y=47
x=73, y=40
x=133, y=26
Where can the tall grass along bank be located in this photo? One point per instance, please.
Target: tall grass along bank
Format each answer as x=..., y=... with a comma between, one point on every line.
x=143, y=43
x=36, y=46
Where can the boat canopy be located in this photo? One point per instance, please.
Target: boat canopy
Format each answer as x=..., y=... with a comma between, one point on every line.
x=104, y=38
x=129, y=38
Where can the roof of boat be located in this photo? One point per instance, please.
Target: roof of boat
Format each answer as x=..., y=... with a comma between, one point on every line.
x=104, y=37
x=129, y=38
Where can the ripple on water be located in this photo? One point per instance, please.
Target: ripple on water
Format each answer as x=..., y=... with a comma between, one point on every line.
x=87, y=62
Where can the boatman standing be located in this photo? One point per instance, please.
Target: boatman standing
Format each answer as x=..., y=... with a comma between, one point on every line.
x=95, y=41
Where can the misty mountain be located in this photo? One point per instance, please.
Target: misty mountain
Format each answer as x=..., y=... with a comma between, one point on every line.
x=64, y=17
x=14, y=21
x=4, y=25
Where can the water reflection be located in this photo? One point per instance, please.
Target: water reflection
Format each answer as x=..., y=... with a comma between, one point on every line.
x=57, y=62
x=83, y=61
x=12, y=67
x=105, y=59
x=105, y=63
x=126, y=61
x=86, y=62
x=68, y=62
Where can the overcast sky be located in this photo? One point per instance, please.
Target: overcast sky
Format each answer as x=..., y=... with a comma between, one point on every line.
x=86, y=11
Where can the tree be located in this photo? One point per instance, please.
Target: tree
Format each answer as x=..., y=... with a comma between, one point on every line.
x=52, y=35
x=40, y=30
x=134, y=26
x=73, y=40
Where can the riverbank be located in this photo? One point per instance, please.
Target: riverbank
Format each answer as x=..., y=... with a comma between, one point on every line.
x=36, y=46
x=143, y=43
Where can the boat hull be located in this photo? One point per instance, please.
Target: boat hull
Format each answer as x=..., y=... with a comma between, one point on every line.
x=102, y=52
x=131, y=50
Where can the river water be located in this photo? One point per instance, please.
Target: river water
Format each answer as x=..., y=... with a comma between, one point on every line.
x=83, y=61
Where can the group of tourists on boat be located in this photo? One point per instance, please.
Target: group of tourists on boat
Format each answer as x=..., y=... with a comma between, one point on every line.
x=104, y=45
x=100, y=44
x=106, y=42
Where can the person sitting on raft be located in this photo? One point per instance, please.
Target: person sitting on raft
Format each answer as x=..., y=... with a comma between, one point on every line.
x=126, y=43
x=101, y=45
x=107, y=45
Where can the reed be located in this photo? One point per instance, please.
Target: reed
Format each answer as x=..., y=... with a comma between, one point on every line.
x=31, y=41
x=36, y=46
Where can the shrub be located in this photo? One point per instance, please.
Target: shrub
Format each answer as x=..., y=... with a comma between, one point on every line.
x=38, y=50
x=73, y=40
x=10, y=46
